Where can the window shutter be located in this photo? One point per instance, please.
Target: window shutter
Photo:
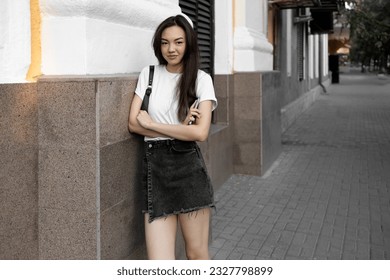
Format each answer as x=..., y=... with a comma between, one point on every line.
x=201, y=13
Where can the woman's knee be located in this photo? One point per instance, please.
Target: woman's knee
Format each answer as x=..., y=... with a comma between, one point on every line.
x=195, y=229
x=200, y=252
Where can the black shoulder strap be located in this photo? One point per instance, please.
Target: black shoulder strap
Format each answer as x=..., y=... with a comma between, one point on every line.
x=145, y=101
x=151, y=73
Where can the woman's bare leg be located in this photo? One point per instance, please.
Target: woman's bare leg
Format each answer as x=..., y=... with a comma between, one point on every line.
x=161, y=237
x=195, y=228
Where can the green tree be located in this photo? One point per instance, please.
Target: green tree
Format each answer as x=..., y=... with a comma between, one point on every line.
x=370, y=33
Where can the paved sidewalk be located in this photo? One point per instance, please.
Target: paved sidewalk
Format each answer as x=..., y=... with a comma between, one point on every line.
x=328, y=194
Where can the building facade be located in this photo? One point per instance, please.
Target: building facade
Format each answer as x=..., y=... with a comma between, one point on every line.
x=69, y=167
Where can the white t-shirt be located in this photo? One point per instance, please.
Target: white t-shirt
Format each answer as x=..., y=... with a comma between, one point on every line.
x=163, y=101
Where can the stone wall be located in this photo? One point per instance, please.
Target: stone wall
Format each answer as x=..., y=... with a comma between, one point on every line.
x=18, y=171
x=293, y=110
x=88, y=169
x=70, y=168
x=271, y=119
x=257, y=121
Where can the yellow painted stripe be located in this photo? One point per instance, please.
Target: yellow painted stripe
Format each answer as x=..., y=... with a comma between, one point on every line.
x=36, y=51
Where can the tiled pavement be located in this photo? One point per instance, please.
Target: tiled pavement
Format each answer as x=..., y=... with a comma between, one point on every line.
x=328, y=194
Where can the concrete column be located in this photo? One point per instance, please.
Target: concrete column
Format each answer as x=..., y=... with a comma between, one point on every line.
x=311, y=56
x=325, y=54
x=316, y=55
x=252, y=51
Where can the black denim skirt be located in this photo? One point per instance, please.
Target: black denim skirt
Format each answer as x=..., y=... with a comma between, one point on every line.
x=175, y=179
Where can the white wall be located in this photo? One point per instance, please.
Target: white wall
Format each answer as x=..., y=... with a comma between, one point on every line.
x=15, y=42
x=100, y=36
x=252, y=51
x=80, y=37
x=223, y=59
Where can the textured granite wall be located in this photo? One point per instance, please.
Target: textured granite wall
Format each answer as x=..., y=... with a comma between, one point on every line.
x=247, y=123
x=122, y=234
x=257, y=131
x=18, y=171
x=292, y=111
x=70, y=168
x=88, y=170
x=271, y=119
x=219, y=155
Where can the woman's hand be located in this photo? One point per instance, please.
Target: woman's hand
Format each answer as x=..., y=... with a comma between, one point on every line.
x=144, y=119
x=192, y=115
x=183, y=131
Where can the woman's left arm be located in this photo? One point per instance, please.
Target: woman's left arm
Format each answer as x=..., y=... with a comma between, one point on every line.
x=198, y=131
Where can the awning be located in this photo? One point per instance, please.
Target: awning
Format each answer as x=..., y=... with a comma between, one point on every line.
x=329, y=5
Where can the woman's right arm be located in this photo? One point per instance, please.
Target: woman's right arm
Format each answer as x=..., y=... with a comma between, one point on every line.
x=134, y=126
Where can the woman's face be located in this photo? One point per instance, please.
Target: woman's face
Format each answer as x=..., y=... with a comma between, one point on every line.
x=173, y=46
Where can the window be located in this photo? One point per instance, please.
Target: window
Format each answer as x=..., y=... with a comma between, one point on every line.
x=201, y=13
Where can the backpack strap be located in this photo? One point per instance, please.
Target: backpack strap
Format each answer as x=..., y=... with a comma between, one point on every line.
x=145, y=101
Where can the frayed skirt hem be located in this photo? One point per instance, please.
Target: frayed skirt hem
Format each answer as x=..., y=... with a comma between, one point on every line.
x=178, y=212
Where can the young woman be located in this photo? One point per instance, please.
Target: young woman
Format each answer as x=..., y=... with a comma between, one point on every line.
x=177, y=186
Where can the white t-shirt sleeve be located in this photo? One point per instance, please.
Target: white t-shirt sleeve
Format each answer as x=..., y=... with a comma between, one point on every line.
x=142, y=83
x=205, y=88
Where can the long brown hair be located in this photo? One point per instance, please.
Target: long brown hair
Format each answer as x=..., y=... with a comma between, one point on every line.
x=186, y=86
